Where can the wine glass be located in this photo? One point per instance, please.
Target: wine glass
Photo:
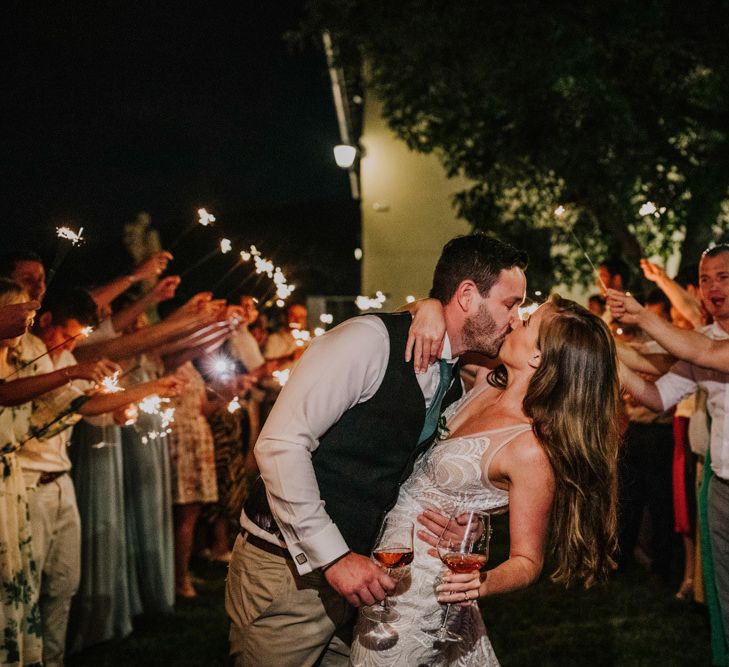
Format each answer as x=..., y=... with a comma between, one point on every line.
x=394, y=551
x=463, y=547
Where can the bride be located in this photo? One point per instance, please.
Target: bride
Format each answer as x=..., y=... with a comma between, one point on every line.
x=538, y=433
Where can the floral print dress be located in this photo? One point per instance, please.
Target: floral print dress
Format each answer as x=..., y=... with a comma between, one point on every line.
x=20, y=622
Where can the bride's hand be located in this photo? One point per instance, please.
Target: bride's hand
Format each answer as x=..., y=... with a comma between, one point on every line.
x=460, y=589
x=425, y=338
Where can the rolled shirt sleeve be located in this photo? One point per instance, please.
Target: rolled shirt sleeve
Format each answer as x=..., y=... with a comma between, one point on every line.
x=339, y=370
x=678, y=383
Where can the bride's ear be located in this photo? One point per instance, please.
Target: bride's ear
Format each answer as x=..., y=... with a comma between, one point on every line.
x=535, y=360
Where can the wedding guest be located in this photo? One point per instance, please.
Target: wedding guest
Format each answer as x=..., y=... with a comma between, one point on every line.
x=19, y=614
x=103, y=608
x=645, y=470
x=192, y=458
x=44, y=459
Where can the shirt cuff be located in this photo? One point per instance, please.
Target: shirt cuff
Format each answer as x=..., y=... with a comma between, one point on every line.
x=318, y=550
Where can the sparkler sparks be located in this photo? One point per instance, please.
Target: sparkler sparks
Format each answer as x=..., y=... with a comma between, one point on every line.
x=282, y=376
x=205, y=218
x=560, y=211
x=110, y=384
x=225, y=246
x=326, y=318
x=68, y=234
x=234, y=405
x=367, y=303
x=222, y=367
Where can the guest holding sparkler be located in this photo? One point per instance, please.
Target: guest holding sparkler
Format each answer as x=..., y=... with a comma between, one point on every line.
x=45, y=463
x=192, y=457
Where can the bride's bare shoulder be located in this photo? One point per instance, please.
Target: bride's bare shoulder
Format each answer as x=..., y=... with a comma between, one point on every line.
x=524, y=452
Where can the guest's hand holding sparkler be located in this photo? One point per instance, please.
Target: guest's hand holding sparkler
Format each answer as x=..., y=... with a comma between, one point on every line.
x=92, y=371
x=688, y=345
x=625, y=308
x=113, y=399
x=165, y=289
x=126, y=415
x=16, y=318
x=194, y=305
x=152, y=267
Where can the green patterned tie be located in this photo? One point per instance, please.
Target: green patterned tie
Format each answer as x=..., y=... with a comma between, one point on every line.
x=433, y=413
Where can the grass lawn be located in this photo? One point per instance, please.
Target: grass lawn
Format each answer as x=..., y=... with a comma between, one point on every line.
x=634, y=620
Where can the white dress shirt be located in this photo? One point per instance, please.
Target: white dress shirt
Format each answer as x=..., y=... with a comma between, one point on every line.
x=340, y=369
x=684, y=379
x=49, y=454
x=244, y=347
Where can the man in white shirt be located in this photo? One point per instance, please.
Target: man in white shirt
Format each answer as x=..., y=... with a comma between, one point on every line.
x=684, y=379
x=341, y=438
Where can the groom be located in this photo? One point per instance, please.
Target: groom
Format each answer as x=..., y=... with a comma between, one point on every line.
x=340, y=440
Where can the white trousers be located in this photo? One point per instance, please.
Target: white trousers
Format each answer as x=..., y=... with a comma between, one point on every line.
x=56, y=527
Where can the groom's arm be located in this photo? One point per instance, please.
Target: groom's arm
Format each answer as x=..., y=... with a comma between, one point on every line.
x=339, y=370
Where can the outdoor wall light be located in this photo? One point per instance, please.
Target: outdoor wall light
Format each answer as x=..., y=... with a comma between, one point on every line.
x=344, y=155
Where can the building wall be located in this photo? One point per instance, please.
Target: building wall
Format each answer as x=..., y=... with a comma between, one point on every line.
x=407, y=215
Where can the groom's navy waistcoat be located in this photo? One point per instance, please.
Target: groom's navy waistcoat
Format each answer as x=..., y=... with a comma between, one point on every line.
x=363, y=459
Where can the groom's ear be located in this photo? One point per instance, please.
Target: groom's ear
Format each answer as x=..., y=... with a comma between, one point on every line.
x=465, y=293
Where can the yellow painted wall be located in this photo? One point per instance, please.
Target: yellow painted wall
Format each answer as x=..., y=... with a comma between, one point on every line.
x=402, y=240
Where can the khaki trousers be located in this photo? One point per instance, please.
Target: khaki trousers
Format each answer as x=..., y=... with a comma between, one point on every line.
x=281, y=619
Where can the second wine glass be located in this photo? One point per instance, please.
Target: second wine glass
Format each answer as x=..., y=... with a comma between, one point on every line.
x=394, y=551
x=463, y=547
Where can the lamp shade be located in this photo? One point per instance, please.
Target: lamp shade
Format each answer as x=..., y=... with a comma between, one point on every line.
x=344, y=155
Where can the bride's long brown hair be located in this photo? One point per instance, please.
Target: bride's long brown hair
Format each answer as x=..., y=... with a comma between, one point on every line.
x=573, y=402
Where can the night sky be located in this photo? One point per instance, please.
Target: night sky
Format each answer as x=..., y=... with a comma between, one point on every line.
x=168, y=107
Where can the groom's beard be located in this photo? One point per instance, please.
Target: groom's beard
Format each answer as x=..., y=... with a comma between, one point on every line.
x=480, y=333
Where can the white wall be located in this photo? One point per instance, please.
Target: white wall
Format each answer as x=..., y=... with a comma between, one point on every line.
x=402, y=240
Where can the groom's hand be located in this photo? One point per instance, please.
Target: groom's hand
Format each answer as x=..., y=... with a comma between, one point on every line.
x=358, y=580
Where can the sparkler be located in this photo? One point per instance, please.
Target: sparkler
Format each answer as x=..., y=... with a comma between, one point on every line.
x=64, y=234
x=68, y=233
x=85, y=332
x=110, y=384
x=152, y=405
x=367, y=303
x=234, y=405
x=225, y=246
x=587, y=257
x=204, y=218
x=282, y=376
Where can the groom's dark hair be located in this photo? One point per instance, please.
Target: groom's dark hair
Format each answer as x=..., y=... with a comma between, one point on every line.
x=475, y=257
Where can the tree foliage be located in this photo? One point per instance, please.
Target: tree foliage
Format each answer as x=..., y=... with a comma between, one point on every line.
x=599, y=107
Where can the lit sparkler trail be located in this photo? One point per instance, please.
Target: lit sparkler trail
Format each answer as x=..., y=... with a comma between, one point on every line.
x=225, y=246
x=64, y=234
x=587, y=257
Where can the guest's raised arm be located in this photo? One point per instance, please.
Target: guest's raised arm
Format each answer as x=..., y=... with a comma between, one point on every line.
x=688, y=345
x=680, y=299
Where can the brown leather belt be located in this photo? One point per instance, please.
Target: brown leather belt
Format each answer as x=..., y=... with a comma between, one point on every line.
x=48, y=477
x=265, y=545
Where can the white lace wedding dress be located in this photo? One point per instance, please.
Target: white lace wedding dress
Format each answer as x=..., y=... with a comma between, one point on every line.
x=446, y=476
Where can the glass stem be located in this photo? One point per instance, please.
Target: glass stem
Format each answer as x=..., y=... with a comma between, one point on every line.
x=384, y=603
x=445, y=618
